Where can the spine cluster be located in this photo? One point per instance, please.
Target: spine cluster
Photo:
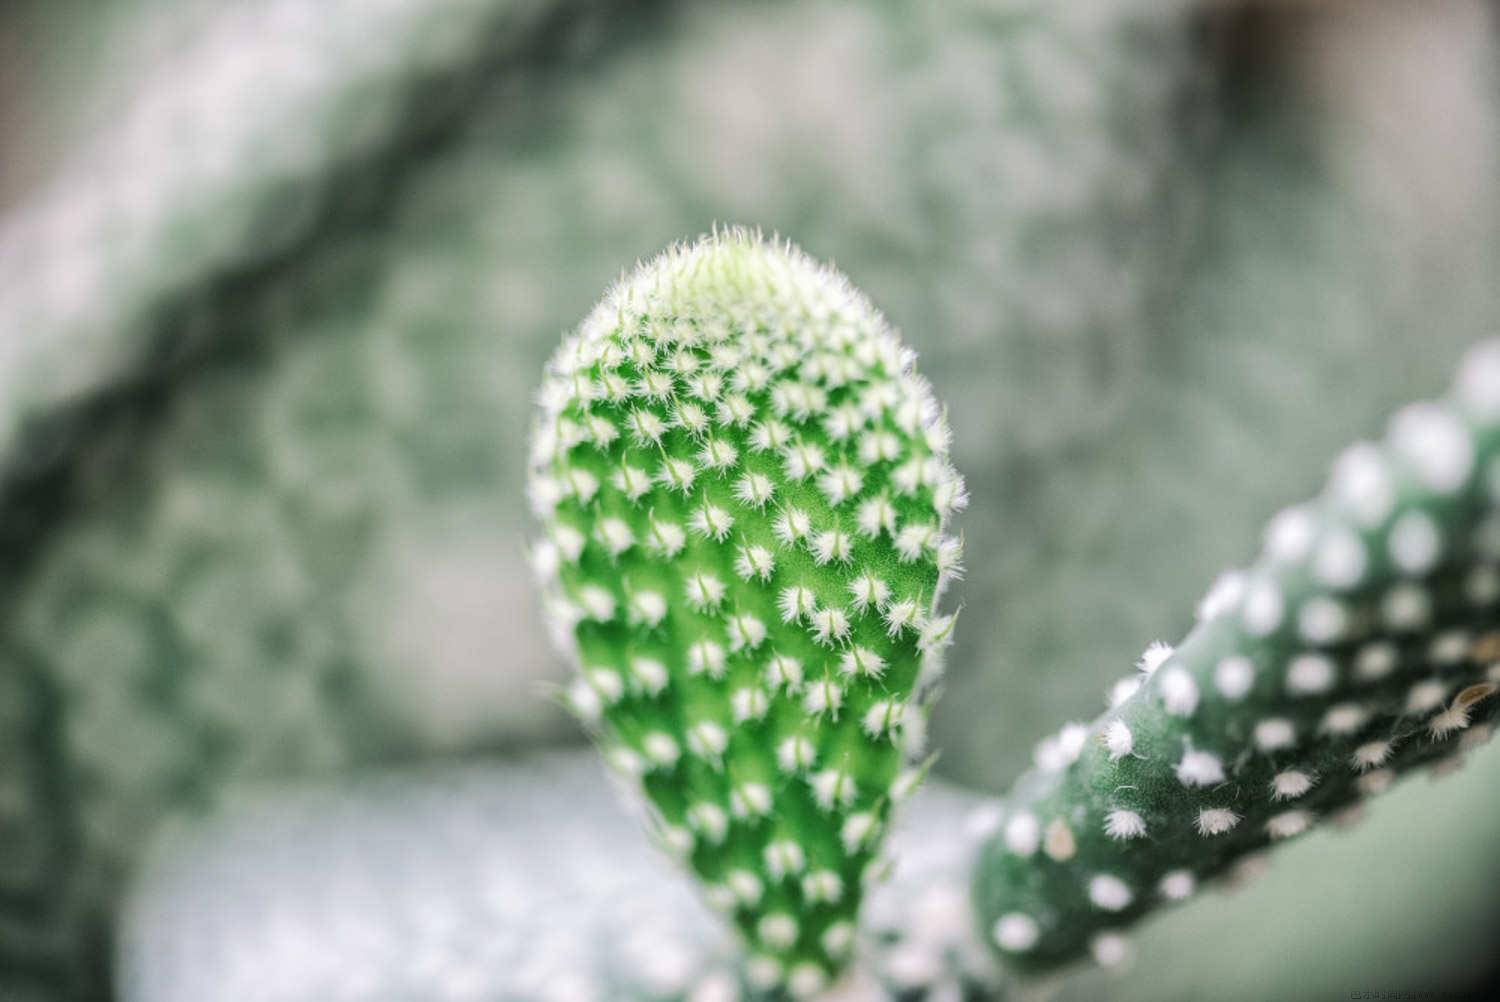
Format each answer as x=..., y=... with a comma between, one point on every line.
x=745, y=492
x=1364, y=642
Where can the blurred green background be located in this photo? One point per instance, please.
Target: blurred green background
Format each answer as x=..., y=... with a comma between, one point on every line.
x=276, y=281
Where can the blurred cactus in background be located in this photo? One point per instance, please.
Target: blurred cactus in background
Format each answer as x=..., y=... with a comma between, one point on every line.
x=524, y=879
x=1360, y=645
x=276, y=286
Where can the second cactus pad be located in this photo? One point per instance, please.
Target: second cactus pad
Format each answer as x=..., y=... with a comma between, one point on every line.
x=1362, y=644
x=745, y=493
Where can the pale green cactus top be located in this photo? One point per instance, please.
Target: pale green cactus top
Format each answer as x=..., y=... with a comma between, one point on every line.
x=745, y=492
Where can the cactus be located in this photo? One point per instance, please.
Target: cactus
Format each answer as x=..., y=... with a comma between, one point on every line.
x=1192, y=713
x=745, y=491
x=732, y=591
x=370, y=342
x=136, y=688
x=1361, y=644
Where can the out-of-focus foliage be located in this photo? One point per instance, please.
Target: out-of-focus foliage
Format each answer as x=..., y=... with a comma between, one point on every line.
x=521, y=880
x=268, y=335
x=525, y=879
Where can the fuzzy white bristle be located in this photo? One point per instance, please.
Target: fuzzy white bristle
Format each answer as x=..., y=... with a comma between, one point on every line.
x=1200, y=768
x=833, y=788
x=1322, y=620
x=1264, y=608
x=1415, y=543
x=1122, y=824
x=1406, y=607
x=1362, y=483
x=1289, y=535
x=1153, y=657
x=1110, y=950
x=1310, y=675
x=1343, y=719
x=1452, y=720
x=1059, y=842
x=1234, y=677
x=1216, y=821
x=1426, y=696
x=1375, y=661
x=1015, y=932
x=1179, y=693
x=838, y=938
x=1288, y=824
x=795, y=754
x=1370, y=755
x=1123, y=690
x=1477, y=386
x=1273, y=734
x=784, y=858
x=777, y=930
x=1178, y=885
x=1340, y=560
x=1223, y=596
x=1023, y=834
x=1435, y=443
x=1290, y=784
x=1109, y=893
x=805, y=980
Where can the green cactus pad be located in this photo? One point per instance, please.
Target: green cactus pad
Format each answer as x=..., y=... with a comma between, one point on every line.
x=745, y=491
x=1363, y=642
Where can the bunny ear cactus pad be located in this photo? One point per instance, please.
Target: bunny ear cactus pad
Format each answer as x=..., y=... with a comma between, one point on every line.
x=1364, y=642
x=745, y=492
